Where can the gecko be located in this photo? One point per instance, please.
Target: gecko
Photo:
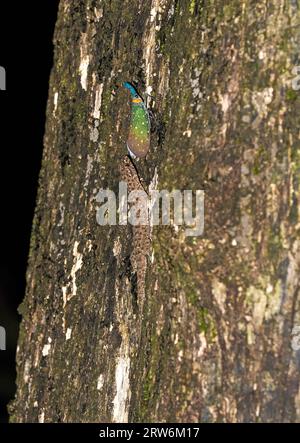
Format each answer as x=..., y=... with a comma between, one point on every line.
x=140, y=233
x=138, y=144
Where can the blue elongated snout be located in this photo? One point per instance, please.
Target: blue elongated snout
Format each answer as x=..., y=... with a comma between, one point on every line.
x=131, y=89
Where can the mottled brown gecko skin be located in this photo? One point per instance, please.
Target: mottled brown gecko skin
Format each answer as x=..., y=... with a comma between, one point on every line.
x=141, y=233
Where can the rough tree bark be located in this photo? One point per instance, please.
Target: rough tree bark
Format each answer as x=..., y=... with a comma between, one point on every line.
x=214, y=338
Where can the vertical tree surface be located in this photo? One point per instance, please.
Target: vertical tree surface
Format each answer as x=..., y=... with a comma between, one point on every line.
x=215, y=337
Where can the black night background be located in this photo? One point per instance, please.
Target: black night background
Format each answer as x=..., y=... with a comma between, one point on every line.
x=26, y=52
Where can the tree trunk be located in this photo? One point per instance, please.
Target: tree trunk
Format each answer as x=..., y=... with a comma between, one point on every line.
x=215, y=336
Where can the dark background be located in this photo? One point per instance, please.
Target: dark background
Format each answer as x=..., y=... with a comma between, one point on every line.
x=26, y=53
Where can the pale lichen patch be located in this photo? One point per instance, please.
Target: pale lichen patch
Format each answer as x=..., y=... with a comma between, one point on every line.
x=76, y=266
x=94, y=132
x=123, y=392
x=26, y=371
x=64, y=291
x=84, y=61
x=203, y=344
x=98, y=100
x=46, y=349
x=187, y=132
x=62, y=214
x=55, y=101
x=225, y=102
x=67, y=294
x=117, y=247
x=41, y=417
x=68, y=333
x=98, y=13
x=265, y=302
x=261, y=101
x=100, y=382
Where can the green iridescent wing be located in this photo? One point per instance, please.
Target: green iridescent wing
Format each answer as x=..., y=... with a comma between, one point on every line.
x=138, y=142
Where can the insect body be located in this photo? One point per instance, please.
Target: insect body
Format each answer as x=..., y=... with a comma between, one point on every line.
x=138, y=142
